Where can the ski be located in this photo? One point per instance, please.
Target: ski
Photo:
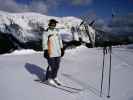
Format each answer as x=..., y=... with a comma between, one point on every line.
x=61, y=87
x=73, y=88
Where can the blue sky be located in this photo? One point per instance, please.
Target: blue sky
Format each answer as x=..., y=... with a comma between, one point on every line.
x=101, y=8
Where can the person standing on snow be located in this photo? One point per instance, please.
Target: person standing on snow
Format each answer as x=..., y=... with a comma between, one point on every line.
x=53, y=51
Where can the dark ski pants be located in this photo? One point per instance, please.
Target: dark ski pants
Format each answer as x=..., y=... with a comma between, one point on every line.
x=53, y=66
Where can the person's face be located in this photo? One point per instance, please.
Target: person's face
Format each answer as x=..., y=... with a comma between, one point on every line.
x=52, y=25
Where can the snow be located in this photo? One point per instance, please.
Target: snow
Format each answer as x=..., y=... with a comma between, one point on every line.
x=80, y=67
x=21, y=52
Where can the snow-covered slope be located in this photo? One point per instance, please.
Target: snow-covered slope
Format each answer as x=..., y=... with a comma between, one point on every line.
x=18, y=72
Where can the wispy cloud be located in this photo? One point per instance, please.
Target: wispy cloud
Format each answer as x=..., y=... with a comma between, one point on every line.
x=41, y=6
x=81, y=2
x=13, y=6
x=118, y=25
x=122, y=24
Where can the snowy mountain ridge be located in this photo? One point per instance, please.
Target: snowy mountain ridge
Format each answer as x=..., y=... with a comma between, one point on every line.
x=25, y=26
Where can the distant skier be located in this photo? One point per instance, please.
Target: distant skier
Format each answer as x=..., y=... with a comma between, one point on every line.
x=53, y=51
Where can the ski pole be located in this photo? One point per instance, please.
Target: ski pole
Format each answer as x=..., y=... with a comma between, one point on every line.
x=109, y=81
x=104, y=51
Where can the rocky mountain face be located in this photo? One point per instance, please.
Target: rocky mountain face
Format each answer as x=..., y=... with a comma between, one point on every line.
x=24, y=30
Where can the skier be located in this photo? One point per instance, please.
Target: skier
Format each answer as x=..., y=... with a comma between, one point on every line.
x=53, y=51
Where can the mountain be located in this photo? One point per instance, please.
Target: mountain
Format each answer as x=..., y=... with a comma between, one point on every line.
x=24, y=30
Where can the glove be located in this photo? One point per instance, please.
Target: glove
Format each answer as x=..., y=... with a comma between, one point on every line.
x=46, y=55
x=62, y=52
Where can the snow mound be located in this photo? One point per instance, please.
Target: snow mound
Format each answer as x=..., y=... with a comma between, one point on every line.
x=30, y=51
x=22, y=52
x=77, y=49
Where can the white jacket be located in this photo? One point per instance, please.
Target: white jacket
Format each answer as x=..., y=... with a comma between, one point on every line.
x=52, y=42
